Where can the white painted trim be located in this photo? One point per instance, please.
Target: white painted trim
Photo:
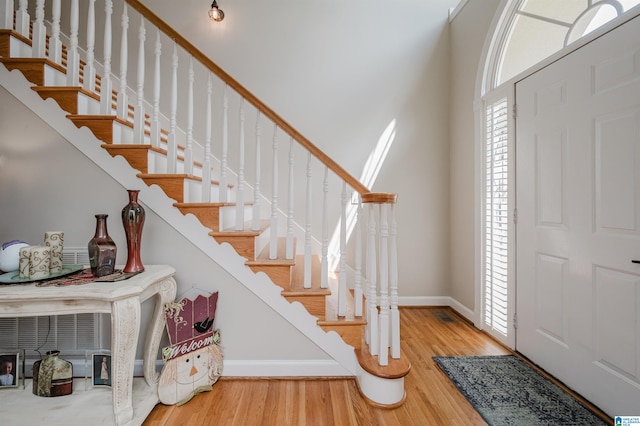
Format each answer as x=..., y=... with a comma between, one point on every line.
x=380, y=390
x=266, y=368
x=424, y=301
x=284, y=368
x=453, y=12
x=448, y=301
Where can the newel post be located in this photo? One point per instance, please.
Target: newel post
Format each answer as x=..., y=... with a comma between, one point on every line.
x=382, y=277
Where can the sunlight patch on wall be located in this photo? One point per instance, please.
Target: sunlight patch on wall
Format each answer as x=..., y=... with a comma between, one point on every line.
x=368, y=178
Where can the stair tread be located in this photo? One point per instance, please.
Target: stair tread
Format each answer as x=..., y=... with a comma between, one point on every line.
x=66, y=89
x=43, y=61
x=396, y=369
x=132, y=147
x=168, y=176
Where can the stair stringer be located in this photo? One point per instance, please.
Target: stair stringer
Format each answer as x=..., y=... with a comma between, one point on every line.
x=260, y=284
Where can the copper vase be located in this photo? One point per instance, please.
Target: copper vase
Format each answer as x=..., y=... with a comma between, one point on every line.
x=102, y=249
x=133, y=220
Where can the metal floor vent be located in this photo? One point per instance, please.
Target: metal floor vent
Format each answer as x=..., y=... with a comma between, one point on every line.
x=443, y=316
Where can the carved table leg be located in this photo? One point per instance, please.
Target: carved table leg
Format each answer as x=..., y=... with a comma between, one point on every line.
x=125, y=328
x=166, y=292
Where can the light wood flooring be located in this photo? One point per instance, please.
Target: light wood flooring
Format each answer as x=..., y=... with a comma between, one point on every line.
x=431, y=398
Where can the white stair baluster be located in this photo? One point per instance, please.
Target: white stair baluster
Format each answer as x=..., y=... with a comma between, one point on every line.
x=383, y=355
x=188, y=152
x=289, y=239
x=206, y=164
x=357, y=289
x=6, y=14
x=55, y=46
x=105, y=82
x=22, y=18
x=73, y=57
x=122, y=105
x=255, y=215
x=89, y=71
x=155, y=120
x=139, y=114
x=324, y=263
x=393, y=283
x=172, y=145
x=273, y=226
x=240, y=189
x=307, y=227
x=225, y=143
x=39, y=32
x=342, y=278
x=372, y=308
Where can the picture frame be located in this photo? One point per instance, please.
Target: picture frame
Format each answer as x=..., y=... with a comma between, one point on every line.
x=11, y=368
x=99, y=369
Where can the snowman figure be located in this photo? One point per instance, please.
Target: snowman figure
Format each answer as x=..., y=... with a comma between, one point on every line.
x=193, y=361
x=185, y=376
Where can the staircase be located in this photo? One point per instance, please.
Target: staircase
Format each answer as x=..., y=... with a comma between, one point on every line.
x=358, y=303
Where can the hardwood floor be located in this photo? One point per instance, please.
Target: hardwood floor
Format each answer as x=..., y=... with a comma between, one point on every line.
x=432, y=399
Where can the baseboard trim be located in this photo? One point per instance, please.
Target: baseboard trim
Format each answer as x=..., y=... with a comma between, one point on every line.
x=439, y=301
x=284, y=368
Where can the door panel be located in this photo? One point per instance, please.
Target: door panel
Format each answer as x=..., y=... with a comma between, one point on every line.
x=578, y=200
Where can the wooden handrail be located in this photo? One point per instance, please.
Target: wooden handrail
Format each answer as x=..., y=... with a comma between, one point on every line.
x=248, y=96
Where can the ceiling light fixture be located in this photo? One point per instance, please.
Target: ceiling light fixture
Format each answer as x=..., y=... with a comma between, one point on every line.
x=215, y=13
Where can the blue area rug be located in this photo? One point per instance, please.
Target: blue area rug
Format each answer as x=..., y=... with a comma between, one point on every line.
x=507, y=391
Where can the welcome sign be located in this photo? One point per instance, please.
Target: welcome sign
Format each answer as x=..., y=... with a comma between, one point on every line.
x=190, y=325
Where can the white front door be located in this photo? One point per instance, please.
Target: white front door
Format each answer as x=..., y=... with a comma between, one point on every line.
x=578, y=231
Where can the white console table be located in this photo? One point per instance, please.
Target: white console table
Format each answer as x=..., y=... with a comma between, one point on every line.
x=130, y=402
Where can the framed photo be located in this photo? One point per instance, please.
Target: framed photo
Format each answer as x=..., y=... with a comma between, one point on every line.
x=11, y=368
x=99, y=367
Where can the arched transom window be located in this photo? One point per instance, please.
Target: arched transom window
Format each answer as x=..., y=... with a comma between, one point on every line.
x=536, y=29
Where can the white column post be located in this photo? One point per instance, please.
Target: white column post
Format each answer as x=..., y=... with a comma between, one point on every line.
x=39, y=32
x=372, y=307
x=22, y=18
x=289, y=239
x=89, y=71
x=224, y=184
x=55, y=46
x=383, y=355
x=122, y=106
x=6, y=14
x=105, y=82
x=240, y=188
x=73, y=57
x=188, y=152
x=324, y=263
x=155, y=120
x=393, y=282
x=307, y=227
x=172, y=145
x=273, y=228
x=256, y=213
x=206, y=163
x=357, y=289
x=139, y=114
x=342, y=279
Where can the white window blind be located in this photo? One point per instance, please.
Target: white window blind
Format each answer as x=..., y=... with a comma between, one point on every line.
x=496, y=217
x=72, y=335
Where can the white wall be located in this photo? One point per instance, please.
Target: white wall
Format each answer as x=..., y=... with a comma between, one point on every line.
x=468, y=32
x=340, y=73
x=47, y=184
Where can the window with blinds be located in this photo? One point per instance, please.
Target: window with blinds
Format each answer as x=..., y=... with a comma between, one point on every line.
x=72, y=335
x=496, y=217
